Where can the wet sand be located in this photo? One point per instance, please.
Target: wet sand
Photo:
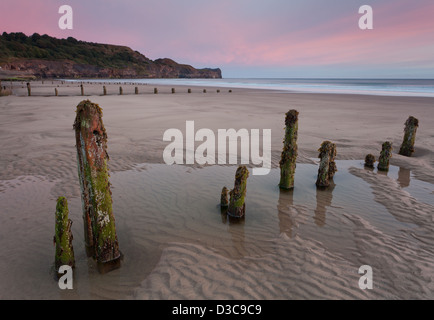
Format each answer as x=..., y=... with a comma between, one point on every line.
x=306, y=244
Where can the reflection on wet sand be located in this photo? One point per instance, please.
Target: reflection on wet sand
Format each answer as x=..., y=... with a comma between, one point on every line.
x=236, y=229
x=404, y=177
x=324, y=199
x=284, y=211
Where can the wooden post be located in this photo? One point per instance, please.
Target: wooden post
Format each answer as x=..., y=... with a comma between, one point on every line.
x=155, y=90
x=173, y=90
x=385, y=155
x=82, y=89
x=121, y=91
x=332, y=165
x=369, y=161
x=104, y=90
x=218, y=90
x=289, y=153
x=99, y=222
x=189, y=90
x=407, y=146
x=237, y=206
x=136, y=90
x=224, y=202
x=56, y=93
x=204, y=90
x=63, y=236
x=327, y=166
x=29, y=89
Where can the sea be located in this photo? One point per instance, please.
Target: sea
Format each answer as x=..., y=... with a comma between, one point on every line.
x=388, y=87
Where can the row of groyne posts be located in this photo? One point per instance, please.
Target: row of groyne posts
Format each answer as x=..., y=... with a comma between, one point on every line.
x=121, y=90
x=99, y=223
x=233, y=202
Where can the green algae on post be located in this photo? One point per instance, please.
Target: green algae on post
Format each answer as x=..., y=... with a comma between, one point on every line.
x=224, y=202
x=327, y=166
x=385, y=155
x=370, y=160
x=407, y=146
x=332, y=165
x=99, y=222
x=289, y=153
x=237, y=206
x=63, y=236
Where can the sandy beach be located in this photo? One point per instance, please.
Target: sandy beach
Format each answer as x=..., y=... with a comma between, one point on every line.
x=300, y=245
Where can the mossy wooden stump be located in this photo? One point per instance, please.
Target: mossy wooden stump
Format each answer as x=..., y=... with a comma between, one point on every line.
x=370, y=161
x=332, y=165
x=385, y=155
x=407, y=146
x=289, y=154
x=327, y=165
x=224, y=202
x=63, y=236
x=237, y=206
x=99, y=222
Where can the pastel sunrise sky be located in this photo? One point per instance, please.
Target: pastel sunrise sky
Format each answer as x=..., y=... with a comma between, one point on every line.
x=250, y=38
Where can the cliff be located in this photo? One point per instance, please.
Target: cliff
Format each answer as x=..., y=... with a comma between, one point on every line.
x=48, y=57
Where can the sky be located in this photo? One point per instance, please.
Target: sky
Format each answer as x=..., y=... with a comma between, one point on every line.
x=250, y=38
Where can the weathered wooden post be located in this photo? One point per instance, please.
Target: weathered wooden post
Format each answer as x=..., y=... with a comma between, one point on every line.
x=136, y=90
x=155, y=90
x=332, y=166
x=407, y=146
x=63, y=236
x=230, y=91
x=173, y=90
x=104, y=91
x=189, y=90
x=224, y=202
x=29, y=89
x=218, y=90
x=99, y=222
x=204, y=90
x=56, y=93
x=327, y=166
x=289, y=154
x=385, y=155
x=82, y=89
x=237, y=206
x=121, y=91
x=369, y=161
